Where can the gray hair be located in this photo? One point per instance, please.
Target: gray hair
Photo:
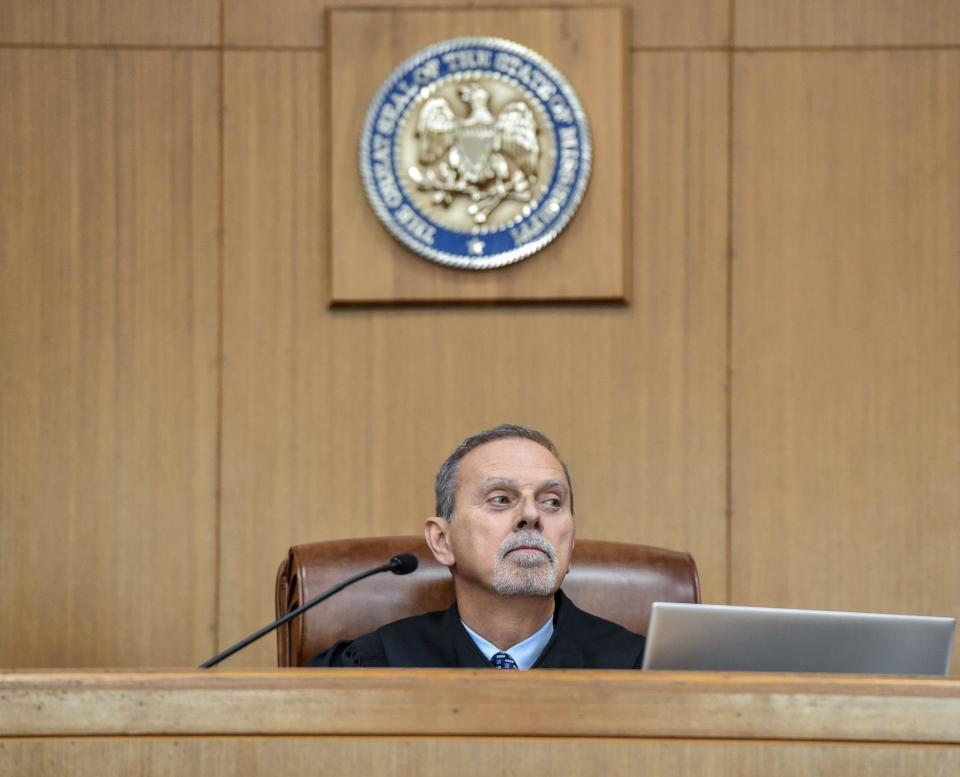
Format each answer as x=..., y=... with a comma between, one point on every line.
x=446, y=486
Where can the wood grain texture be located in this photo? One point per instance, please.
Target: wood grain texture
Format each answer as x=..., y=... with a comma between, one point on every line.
x=283, y=390
x=336, y=420
x=667, y=443
x=587, y=261
x=473, y=757
x=846, y=395
x=847, y=22
x=480, y=702
x=118, y=22
x=108, y=344
x=302, y=23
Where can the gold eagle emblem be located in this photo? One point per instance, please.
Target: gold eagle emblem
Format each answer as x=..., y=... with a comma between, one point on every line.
x=485, y=157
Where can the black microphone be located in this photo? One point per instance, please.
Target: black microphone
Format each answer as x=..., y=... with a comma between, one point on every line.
x=401, y=564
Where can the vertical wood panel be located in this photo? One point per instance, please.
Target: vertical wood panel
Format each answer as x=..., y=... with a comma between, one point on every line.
x=335, y=421
x=277, y=457
x=673, y=353
x=846, y=398
x=847, y=22
x=301, y=22
x=681, y=22
x=108, y=289
x=128, y=22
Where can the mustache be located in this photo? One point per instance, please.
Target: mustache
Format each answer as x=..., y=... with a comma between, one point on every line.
x=528, y=539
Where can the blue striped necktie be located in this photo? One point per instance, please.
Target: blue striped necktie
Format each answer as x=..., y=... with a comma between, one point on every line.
x=503, y=661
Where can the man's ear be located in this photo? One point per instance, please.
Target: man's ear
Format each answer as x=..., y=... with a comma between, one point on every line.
x=436, y=531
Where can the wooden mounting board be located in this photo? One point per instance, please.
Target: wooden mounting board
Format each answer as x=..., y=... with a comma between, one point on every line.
x=589, y=260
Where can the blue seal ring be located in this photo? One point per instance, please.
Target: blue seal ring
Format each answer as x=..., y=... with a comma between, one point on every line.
x=476, y=247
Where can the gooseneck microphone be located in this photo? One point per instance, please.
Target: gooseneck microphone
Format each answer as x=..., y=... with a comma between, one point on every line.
x=402, y=564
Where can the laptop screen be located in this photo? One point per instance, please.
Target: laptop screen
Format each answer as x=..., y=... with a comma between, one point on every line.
x=715, y=637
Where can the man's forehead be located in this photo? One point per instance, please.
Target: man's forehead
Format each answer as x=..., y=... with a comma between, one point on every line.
x=511, y=459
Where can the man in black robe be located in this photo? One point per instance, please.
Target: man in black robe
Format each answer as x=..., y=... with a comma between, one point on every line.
x=505, y=528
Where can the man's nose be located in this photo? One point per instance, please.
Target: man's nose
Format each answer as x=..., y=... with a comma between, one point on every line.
x=529, y=515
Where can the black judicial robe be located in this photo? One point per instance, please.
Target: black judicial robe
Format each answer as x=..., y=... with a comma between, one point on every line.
x=580, y=641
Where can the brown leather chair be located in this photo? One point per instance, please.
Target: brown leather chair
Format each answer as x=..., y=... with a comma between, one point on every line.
x=614, y=580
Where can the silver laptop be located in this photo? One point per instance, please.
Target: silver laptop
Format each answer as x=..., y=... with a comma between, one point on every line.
x=763, y=639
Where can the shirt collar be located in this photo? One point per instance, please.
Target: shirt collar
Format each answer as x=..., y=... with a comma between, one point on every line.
x=525, y=652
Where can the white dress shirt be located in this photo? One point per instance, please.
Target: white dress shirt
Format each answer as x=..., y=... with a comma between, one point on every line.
x=525, y=653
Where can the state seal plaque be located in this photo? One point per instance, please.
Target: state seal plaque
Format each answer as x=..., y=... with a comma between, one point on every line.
x=475, y=153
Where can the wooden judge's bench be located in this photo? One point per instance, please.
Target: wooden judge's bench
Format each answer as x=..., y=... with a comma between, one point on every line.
x=459, y=723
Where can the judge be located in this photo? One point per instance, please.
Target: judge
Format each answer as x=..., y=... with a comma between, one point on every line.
x=505, y=528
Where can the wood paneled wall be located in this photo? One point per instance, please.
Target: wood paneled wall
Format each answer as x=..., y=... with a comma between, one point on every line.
x=108, y=355
x=178, y=405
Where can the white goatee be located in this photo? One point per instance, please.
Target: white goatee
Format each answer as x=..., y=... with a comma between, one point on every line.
x=525, y=575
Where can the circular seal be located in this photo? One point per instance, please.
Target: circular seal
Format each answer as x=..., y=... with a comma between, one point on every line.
x=475, y=153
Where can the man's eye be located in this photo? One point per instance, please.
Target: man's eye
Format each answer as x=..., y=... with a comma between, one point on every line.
x=553, y=503
x=500, y=499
